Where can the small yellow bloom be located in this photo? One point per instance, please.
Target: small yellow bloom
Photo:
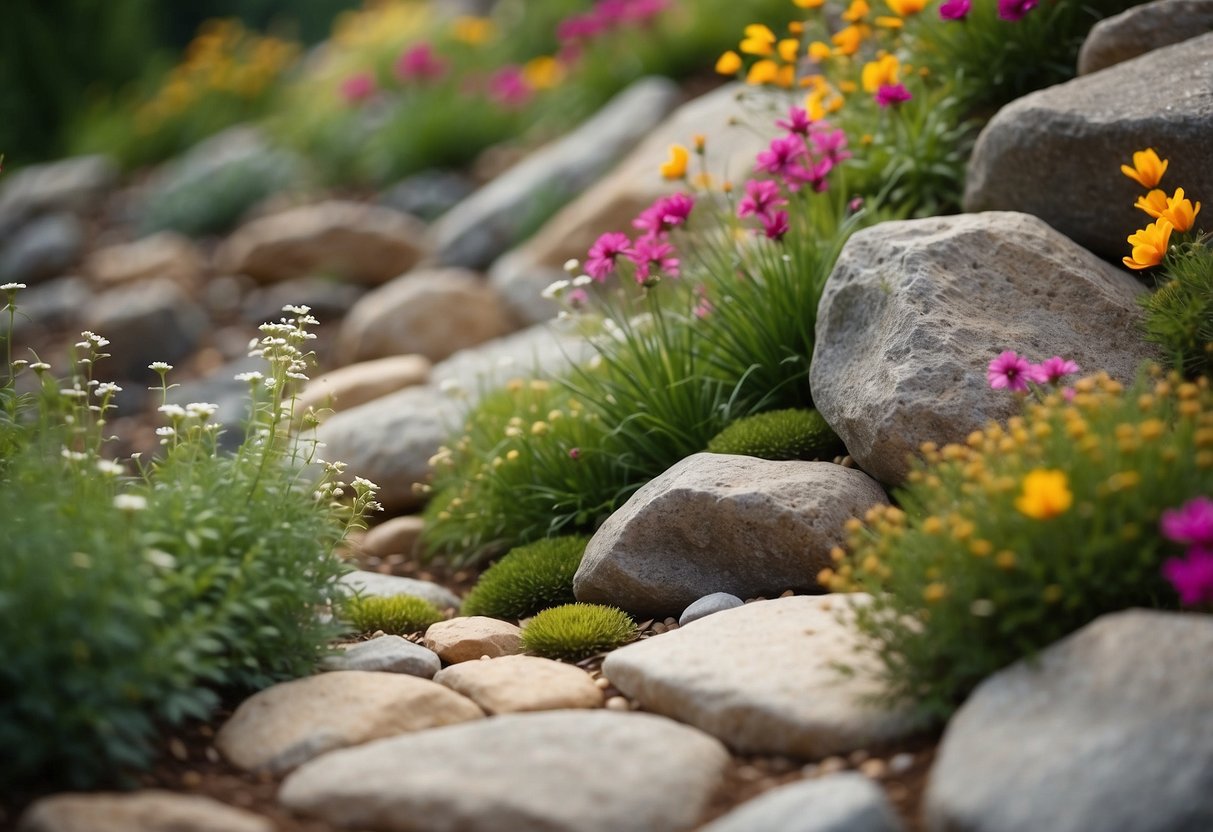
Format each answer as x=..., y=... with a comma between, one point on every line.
x=796, y=27
x=1149, y=245
x=1180, y=212
x=788, y=49
x=543, y=72
x=699, y=141
x=1046, y=494
x=759, y=40
x=809, y=4
x=676, y=166
x=934, y=592
x=512, y=455
x=819, y=51
x=1005, y=560
x=847, y=86
x=765, y=71
x=1153, y=203
x=1147, y=168
x=847, y=41
x=905, y=8
x=886, y=22
x=729, y=63
x=880, y=73
x=472, y=30
x=857, y=11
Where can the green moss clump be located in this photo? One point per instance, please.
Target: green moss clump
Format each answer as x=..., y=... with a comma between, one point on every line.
x=395, y=615
x=528, y=579
x=576, y=631
x=780, y=434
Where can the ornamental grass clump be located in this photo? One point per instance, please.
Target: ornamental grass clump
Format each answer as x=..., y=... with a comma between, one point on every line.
x=573, y=632
x=1027, y=531
x=528, y=579
x=780, y=434
x=398, y=615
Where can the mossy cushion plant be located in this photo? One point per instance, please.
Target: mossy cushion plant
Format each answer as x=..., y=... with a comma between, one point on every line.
x=576, y=631
x=780, y=434
x=528, y=579
x=396, y=615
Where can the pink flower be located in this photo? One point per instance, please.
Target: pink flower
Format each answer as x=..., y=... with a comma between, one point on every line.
x=797, y=122
x=782, y=155
x=419, y=64
x=761, y=197
x=580, y=27
x=775, y=225
x=600, y=263
x=1010, y=372
x=574, y=453
x=358, y=87
x=814, y=175
x=1191, y=523
x=1054, y=369
x=577, y=298
x=1192, y=577
x=653, y=256
x=830, y=143
x=704, y=305
x=666, y=213
x=955, y=9
x=855, y=205
x=508, y=87
x=1015, y=9
x=891, y=94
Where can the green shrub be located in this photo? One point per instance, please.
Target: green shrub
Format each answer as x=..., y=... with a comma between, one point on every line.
x=1179, y=315
x=528, y=579
x=397, y=615
x=576, y=631
x=1026, y=533
x=779, y=434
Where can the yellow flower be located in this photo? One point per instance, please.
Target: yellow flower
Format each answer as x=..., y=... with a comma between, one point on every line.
x=886, y=22
x=796, y=27
x=759, y=40
x=846, y=41
x=880, y=73
x=1179, y=211
x=788, y=47
x=472, y=30
x=763, y=72
x=857, y=11
x=1046, y=494
x=905, y=8
x=1149, y=245
x=1147, y=168
x=728, y=63
x=934, y=592
x=809, y=4
x=543, y=72
x=819, y=51
x=676, y=166
x=1153, y=203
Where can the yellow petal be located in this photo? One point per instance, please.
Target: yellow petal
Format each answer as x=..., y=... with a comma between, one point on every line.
x=728, y=63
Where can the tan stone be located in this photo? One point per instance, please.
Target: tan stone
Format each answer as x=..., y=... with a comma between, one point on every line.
x=288, y=724
x=145, y=811
x=522, y=683
x=470, y=637
x=360, y=383
x=397, y=536
x=166, y=254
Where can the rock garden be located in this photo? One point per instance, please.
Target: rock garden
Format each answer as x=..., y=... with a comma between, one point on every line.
x=619, y=416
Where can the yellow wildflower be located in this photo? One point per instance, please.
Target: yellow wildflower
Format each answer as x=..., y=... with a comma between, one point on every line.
x=905, y=8
x=788, y=49
x=1149, y=245
x=765, y=71
x=886, y=22
x=759, y=40
x=847, y=41
x=1153, y=203
x=809, y=4
x=857, y=11
x=934, y=592
x=543, y=72
x=699, y=141
x=796, y=27
x=1179, y=211
x=1147, y=168
x=819, y=51
x=729, y=63
x=880, y=73
x=1046, y=494
x=471, y=30
x=676, y=166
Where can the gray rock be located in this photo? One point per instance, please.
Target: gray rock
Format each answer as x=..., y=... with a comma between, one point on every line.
x=44, y=248
x=914, y=311
x=387, y=654
x=1057, y=153
x=390, y=440
x=143, y=811
x=521, y=283
x=846, y=802
x=53, y=304
x=708, y=604
x=564, y=771
x=430, y=312
x=715, y=522
x=477, y=230
x=429, y=194
x=329, y=300
x=1110, y=728
x=151, y=321
x=764, y=679
x=1142, y=29
x=290, y=723
x=374, y=584
x=75, y=185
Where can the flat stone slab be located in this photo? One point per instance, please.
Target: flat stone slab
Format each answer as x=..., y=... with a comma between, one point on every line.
x=469, y=637
x=763, y=678
x=847, y=802
x=387, y=654
x=288, y=724
x=564, y=771
x=144, y=811
x=385, y=586
x=511, y=684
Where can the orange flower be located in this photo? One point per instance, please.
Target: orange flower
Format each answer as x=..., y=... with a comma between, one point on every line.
x=728, y=63
x=905, y=8
x=1149, y=245
x=857, y=11
x=847, y=41
x=1180, y=212
x=819, y=51
x=809, y=4
x=887, y=22
x=788, y=47
x=765, y=71
x=1153, y=203
x=1147, y=168
x=880, y=73
x=676, y=166
x=759, y=40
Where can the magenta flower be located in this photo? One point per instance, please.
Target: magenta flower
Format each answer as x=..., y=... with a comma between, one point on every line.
x=782, y=155
x=1192, y=576
x=358, y=87
x=798, y=121
x=814, y=175
x=855, y=205
x=666, y=213
x=761, y=197
x=577, y=298
x=775, y=225
x=600, y=263
x=580, y=27
x=955, y=9
x=574, y=453
x=1010, y=372
x=508, y=87
x=1191, y=523
x=1054, y=369
x=1015, y=9
x=653, y=256
x=892, y=94
x=830, y=143
x=419, y=64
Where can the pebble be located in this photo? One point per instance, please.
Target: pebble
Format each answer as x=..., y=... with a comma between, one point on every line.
x=831, y=765
x=901, y=763
x=617, y=703
x=874, y=768
x=602, y=682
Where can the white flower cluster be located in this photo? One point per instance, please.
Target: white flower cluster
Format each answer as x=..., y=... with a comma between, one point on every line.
x=281, y=342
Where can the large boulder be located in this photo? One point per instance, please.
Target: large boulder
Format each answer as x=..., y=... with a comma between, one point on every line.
x=1057, y=153
x=364, y=243
x=765, y=678
x=914, y=311
x=1111, y=728
x=564, y=771
x=721, y=523
x=1142, y=29
x=537, y=351
x=477, y=230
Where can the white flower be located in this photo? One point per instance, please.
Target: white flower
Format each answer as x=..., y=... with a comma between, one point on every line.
x=201, y=410
x=297, y=310
x=113, y=468
x=72, y=393
x=108, y=388
x=173, y=411
x=554, y=289
x=130, y=502
x=363, y=484
x=251, y=377
x=11, y=287
x=74, y=456
x=157, y=557
x=582, y=280
x=160, y=366
x=166, y=431
x=40, y=366
x=93, y=338
x=572, y=265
